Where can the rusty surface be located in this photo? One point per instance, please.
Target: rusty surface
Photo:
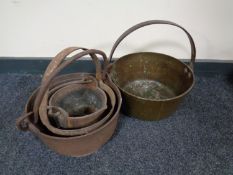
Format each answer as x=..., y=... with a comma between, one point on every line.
x=152, y=84
x=78, y=141
x=83, y=105
x=83, y=130
x=58, y=64
x=77, y=145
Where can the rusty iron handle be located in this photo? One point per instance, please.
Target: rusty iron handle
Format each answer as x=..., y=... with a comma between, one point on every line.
x=58, y=59
x=86, y=80
x=61, y=56
x=45, y=85
x=22, y=121
x=23, y=124
x=146, y=23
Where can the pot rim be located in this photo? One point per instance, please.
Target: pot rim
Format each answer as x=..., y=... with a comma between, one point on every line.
x=100, y=91
x=154, y=100
x=37, y=131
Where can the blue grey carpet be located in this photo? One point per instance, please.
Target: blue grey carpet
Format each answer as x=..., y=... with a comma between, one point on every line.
x=197, y=139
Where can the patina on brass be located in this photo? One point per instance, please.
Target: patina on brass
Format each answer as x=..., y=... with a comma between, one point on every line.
x=152, y=84
x=88, y=139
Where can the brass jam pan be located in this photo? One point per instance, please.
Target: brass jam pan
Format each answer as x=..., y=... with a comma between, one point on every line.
x=152, y=84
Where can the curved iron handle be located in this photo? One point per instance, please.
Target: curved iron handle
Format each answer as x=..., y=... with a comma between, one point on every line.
x=58, y=59
x=22, y=121
x=61, y=56
x=23, y=124
x=45, y=84
x=146, y=23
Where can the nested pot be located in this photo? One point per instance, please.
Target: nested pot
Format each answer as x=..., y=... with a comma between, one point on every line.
x=89, y=138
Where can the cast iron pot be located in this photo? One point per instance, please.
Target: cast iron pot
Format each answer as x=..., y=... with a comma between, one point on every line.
x=64, y=119
x=73, y=145
x=77, y=105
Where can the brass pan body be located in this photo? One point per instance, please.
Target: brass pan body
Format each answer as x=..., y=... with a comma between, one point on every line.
x=154, y=88
x=152, y=84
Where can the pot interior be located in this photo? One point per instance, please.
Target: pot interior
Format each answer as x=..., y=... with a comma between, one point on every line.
x=151, y=76
x=78, y=102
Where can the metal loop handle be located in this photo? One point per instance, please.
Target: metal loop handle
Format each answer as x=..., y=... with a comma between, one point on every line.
x=61, y=56
x=146, y=23
x=22, y=121
x=58, y=59
x=45, y=84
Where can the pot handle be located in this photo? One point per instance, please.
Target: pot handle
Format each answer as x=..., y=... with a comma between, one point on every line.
x=146, y=23
x=61, y=56
x=22, y=122
x=58, y=59
x=49, y=77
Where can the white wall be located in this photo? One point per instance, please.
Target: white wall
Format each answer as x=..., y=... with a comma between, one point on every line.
x=41, y=28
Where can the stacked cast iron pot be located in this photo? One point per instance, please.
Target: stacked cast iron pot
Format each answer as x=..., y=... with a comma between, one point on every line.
x=74, y=114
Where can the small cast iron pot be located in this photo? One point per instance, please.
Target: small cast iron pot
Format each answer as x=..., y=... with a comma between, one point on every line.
x=68, y=121
x=75, y=146
x=77, y=105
